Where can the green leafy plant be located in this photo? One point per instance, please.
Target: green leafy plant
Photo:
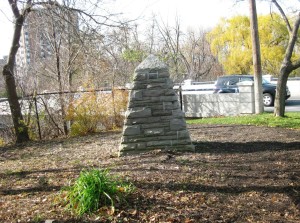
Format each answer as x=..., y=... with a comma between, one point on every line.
x=37, y=218
x=133, y=55
x=95, y=189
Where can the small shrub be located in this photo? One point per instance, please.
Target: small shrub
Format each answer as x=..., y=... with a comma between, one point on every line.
x=94, y=189
x=96, y=110
x=2, y=142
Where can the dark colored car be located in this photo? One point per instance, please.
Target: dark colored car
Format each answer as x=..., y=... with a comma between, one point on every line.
x=228, y=84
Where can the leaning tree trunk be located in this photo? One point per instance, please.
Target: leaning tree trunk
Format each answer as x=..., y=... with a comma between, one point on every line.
x=286, y=68
x=21, y=129
x=279, y=108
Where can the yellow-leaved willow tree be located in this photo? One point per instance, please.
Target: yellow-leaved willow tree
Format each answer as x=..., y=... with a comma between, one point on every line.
x=231, y=42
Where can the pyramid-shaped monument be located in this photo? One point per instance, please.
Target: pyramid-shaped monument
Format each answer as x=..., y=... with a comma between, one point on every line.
x=154, y=119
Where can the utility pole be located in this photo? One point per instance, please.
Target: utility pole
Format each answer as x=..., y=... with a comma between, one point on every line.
x=258, y=95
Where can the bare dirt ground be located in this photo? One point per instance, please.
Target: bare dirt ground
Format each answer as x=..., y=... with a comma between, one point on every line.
x=238, y=174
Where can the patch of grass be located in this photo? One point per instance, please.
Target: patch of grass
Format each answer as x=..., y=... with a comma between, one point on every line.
x=94, y=189
x=291, y=120
x=37, y=218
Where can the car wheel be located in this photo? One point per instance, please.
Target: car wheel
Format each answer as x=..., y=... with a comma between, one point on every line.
x=268, y=99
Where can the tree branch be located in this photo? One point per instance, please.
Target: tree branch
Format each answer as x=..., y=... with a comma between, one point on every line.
x=14, y=8
x=292, y=41
x=92, y=17
x=283, y=15
x=296, y=65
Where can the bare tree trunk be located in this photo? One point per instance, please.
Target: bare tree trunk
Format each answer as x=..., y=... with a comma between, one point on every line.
x=256, y=59
x=57, y=41
x=279, y=108
x=21, y=129
x=60, y=85
x=287, y=65
x=61, y=96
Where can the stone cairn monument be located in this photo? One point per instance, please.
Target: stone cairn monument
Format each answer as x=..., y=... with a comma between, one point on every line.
x=153, y=119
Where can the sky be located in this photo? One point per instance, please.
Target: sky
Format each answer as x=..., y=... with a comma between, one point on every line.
x=191, y=13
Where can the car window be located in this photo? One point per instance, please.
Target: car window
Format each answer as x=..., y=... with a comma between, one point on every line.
x=246, y=79
x=264, y=81
x=232, y=81
x=222, y=81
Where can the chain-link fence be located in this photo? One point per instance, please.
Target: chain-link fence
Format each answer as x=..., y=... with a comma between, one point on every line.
x=54, y=114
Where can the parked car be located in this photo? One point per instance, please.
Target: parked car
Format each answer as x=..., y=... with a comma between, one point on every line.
x=228, y=84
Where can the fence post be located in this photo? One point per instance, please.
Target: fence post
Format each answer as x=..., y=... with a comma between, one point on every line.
x=37, y=116
x=180, y=97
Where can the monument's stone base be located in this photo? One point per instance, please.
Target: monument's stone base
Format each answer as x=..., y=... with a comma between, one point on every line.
x=154, y=119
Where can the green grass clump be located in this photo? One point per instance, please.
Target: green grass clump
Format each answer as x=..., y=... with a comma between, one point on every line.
x=94, y=189
x=291, y=120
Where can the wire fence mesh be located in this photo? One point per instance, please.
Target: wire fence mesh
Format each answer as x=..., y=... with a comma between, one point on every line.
x=82, y=112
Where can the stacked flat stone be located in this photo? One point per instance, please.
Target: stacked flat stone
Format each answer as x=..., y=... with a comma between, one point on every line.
x=154, y=119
